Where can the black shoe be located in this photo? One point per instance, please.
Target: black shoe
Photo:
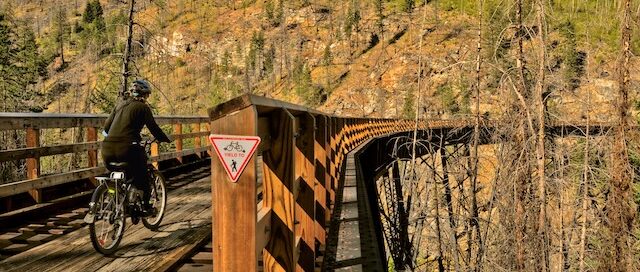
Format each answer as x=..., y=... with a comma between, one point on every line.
x=148, y=210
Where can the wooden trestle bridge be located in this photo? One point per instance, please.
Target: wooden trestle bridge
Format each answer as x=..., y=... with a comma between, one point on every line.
x=307, y=201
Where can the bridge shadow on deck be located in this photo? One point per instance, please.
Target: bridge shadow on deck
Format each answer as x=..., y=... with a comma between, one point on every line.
x=187, y=226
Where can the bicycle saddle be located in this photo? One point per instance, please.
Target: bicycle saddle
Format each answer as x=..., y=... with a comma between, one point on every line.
x=115, y=166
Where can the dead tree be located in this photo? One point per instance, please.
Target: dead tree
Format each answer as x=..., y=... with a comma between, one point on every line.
x=620, y=210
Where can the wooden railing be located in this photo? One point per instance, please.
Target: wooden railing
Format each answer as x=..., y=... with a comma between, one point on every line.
x=303, y=152
x=89, y=125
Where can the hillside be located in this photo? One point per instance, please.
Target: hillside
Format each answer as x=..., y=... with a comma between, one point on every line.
x=343, y=57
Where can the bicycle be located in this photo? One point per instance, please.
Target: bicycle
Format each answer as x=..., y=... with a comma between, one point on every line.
x=115, y=199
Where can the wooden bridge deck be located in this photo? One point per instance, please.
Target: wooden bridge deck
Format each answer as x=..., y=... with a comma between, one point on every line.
x=186, y=226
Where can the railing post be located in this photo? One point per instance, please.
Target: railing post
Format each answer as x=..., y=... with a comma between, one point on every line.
x=304, y=191
x=92, y=155
x=155, y=151
x=279, y=178
x=177, y=130
x=197, y=141
x=331, y=163
x=207, y=127
x=322, y=179
x=33, y=164
x=234, y=204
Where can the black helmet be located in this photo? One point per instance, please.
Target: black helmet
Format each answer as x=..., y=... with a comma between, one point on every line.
x=140, y=87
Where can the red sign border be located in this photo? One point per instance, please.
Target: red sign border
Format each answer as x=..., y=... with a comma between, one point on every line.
x=234, y=137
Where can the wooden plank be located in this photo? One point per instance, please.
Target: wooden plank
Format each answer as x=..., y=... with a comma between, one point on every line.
x=234, y=241
x=195, y=135
x=279, y=178
x=185, y=228
x=172, y=155
x=304, y=190
x=18, y=187
x=34, y=152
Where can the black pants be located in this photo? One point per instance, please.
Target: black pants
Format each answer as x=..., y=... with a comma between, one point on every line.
x=136, y=159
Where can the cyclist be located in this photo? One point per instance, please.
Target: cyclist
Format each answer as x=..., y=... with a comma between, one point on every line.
x=122, y=131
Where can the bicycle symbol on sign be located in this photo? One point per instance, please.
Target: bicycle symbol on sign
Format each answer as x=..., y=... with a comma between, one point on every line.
x=235, y=146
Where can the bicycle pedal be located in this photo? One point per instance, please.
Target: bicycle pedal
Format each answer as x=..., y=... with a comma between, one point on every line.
x=89, y=218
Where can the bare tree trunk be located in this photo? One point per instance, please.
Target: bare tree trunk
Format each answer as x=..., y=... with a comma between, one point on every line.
x=127, y=50
x=620, y=211
x=520, y=181
x=540, y=148
x=585, y=189
x=477, y=266
x=453, y=235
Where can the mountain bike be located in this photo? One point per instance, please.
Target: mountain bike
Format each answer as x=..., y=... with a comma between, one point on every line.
x=116, y=198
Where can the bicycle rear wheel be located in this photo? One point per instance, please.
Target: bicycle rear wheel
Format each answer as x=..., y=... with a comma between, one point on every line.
x=108, y=227
x=158, y=200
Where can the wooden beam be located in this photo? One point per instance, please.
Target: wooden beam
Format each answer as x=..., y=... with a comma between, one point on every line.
x=34, y=152
x=263, y=228
x=33, y=164
x=279, y=178
x=18, y=187
x=304, y=191
x=173, y=155
x=322, y=179
x=234, y=203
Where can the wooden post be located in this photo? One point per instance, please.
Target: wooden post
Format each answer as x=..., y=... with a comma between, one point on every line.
x=234, y=203
x=197, y=142
x=92, y=155
x=304, y=191
x=322, y=179
x=279, y=177
x=33, y=164
x=155, y=151
x=331, y=160
x=207, y=127
x=177, y=130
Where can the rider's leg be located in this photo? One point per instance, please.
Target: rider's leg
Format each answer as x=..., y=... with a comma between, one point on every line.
x=139, y=171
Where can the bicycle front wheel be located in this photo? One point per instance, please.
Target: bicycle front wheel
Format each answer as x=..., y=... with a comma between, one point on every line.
x=158, y=201
x=108, y=227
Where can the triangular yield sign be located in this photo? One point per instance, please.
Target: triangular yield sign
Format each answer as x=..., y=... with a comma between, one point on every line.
x=234, y=152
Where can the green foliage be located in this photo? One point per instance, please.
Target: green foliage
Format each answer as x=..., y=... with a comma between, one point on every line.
x=405, y=5
x=379, y=9
x=408, y=108
x=20, y=66
x=225, y=62
x=256, y=48
x=573, y=59
x=269, y=59
x=352, y=21
x=311, y=94
x=93, y=12
x=327, y=57
x=448, y=99
x=273, y=14
x=93, y=33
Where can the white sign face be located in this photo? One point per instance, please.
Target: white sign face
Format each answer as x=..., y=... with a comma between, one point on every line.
x=234, y=152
